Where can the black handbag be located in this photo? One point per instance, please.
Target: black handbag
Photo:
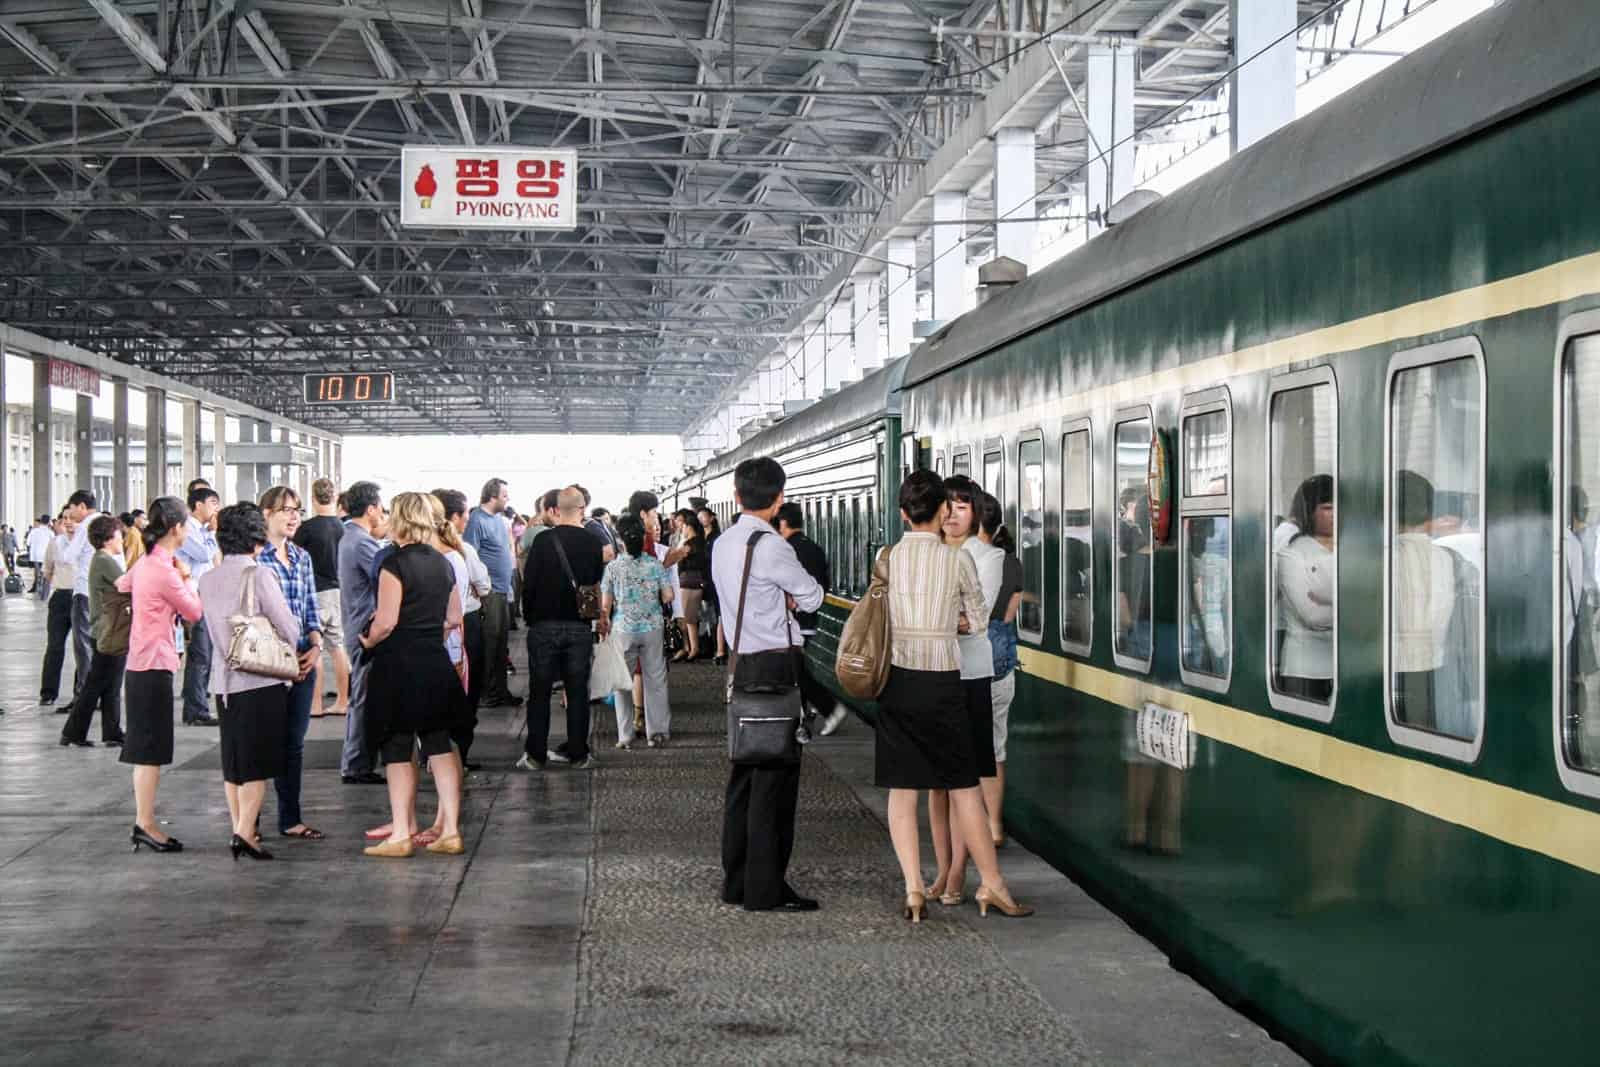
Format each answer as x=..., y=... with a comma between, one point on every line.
x=766, y=717
x=587, y=596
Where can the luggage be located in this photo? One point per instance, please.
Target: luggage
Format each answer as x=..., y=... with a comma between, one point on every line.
x=862, y=666
x=13, y=585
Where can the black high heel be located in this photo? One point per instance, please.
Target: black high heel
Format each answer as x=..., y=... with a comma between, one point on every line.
x=140, y=837
x=239, y=844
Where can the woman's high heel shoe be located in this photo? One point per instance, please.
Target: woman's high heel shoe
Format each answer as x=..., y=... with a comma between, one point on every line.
x=1001, y=900
x=240, y=845
x=916, y=907
x=140, y=837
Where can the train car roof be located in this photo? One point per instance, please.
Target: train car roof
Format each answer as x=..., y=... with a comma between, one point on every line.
x=873, y=397
x=1504, y=61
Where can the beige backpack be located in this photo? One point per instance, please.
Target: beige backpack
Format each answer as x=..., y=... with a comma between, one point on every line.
x=862, y=666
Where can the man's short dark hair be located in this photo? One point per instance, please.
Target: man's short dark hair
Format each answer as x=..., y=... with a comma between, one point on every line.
x=642, y=501
x=599, y=513
x=361, y=496
x=758, y=482
x=198, y=483
x=103, y=529
x=454, y=501
x=241, y=529
x=200, y=494
x=323, y=491
x=793, y=515
x=549, y=500
x=1413, y=499
x=491, y=490
x=85, y=497
x=921, y=494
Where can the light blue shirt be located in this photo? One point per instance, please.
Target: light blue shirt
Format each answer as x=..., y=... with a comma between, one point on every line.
x=79, y=553
x=487, y=533
x=199, y=549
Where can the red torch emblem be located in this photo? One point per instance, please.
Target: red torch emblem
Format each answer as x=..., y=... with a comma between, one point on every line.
x=426, y=186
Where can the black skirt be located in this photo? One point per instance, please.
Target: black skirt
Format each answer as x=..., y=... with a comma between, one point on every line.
x=923, y=739
x=148, y=735
x=255, y=730
x=980, y=721
x=410, y=688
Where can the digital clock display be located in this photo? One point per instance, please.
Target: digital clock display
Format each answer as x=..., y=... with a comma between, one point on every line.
x=365, y=387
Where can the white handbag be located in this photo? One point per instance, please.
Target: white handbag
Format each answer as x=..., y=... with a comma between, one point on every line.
x=255, y=647
x=608, y=670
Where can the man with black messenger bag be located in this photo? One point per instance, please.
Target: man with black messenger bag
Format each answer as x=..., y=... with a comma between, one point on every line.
x=759, y=581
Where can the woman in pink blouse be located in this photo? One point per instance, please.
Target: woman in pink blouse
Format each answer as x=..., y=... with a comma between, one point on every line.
x=161, y=589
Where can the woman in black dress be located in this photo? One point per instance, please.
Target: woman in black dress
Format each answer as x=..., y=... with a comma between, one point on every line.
x=409, y=688
x=694, y=574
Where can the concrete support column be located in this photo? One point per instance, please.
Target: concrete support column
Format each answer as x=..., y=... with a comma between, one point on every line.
x=1109, y=175
x=264, y=477
x=191, y=441
x=949, y=264
x=121, y=476
x=864, y=316
x=336, y=463
x=249, y=488
x=1261, y=96
x=1014, y=186
x=43, y=452
x=812, y=341
x=900, y=294
x=83, y=439
x=838, y=362
x=219, y=454
x=155, y=443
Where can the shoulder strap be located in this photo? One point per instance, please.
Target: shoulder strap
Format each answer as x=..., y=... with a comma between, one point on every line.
x=738, y=617
x=562, y=552
x=247, y=591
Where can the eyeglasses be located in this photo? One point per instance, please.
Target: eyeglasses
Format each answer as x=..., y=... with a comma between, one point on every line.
x=289, y=511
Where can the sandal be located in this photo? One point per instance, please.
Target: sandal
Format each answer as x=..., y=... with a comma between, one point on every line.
x=305, y=833
x=426, y=837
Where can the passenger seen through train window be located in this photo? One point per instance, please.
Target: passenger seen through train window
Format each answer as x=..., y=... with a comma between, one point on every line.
x=1302, y=451
x=1134, y=556
x=1580, y=571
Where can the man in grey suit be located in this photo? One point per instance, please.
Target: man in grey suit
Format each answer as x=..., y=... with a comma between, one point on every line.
x=358, y=590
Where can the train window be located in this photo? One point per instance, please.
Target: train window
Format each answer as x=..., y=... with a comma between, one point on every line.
x=938, y=464
x=1134, y=575
x=1205, y=552
x=858, y=548
x=1433, y=626
x=1077, y=540
x=1302, y=555
x=1030, y=536
x=994, y=475
x=961, y=462
x=1578, y=672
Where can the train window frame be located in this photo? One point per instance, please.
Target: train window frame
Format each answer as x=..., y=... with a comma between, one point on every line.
x=1573, y=779
x=938, y=462
x=1194, y=405
x=1024, y=439
x=1465, y=750
x=858, y=539
x=1123, y=415
x=994, y=448
x=959, y=454
x=1084, y=425
x=1310, y=709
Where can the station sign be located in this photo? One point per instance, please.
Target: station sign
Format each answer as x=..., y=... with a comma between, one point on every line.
x=1164, y=736
x=363, y=387
x=84, y=380
x=488, y=188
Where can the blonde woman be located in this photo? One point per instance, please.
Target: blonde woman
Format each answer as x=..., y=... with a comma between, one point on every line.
x=409, y=692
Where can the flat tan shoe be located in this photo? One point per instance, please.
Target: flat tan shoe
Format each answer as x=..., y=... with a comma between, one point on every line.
x=394, y=850
x=448, y=846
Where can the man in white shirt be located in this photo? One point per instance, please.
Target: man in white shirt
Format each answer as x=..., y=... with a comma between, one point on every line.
x=82, y=508
x=199, y=551
x=759, y=812
x=38, y=544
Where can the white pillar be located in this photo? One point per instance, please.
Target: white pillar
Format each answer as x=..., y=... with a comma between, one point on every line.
x=812, y=345
x=155, y=443
x=900, y=294
x=864, y=316
x=1014, y=187
x=949, y=266
x=1261, y=96
x=1109, y=175
x=838, y=361
x=219, y=455
x=191, y=441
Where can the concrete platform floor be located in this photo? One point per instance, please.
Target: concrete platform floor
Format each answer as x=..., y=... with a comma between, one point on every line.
x=581, y=927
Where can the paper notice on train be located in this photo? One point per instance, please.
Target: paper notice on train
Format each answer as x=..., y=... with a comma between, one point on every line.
x=1164, y=736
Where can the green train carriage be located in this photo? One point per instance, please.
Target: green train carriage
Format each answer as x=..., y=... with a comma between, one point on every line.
x=1377, y=875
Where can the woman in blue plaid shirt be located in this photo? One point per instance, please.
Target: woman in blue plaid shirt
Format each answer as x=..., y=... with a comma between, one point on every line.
x=292, y=566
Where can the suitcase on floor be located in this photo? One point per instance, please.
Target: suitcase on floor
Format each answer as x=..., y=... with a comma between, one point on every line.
x=13, y=585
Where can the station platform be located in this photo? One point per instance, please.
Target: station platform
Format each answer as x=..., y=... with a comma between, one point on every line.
x=582, y=926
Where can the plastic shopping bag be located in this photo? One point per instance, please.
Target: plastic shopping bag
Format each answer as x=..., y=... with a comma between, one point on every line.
x=608, y=670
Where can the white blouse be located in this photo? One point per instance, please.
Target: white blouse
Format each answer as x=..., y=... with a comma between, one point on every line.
x=1424, y=597
x=977, y=655
x=1305, y=608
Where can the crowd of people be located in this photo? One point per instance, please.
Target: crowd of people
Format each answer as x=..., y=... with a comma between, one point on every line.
x=400, y=614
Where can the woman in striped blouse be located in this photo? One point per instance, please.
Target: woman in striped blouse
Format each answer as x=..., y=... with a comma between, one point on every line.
x=923, y=739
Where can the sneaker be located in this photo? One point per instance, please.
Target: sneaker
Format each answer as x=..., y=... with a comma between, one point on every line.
x=555, y=755
x=624, y=744
x=526, y=763
x=834, y=720
x=658, y=740
x=584, y=764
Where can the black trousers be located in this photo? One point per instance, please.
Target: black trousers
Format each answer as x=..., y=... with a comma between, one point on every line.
x=559, y=650
x=464, y=727
x=496, y=633
x=818, y=697
x=758, y=834
x=82, y=641
x=57, y=630
x=103, y=688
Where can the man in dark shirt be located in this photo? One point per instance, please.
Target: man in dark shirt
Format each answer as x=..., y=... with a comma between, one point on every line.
x=792, y=527
x=560, y=642
x=320, y=537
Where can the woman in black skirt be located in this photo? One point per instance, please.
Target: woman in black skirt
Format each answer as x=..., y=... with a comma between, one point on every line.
x=162, y=591
x=409, y=688
x=924, y=740
x=252, y=709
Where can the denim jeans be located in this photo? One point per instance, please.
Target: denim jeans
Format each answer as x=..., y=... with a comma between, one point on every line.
x=288, y=783
x=559, y=650
x=197, y=673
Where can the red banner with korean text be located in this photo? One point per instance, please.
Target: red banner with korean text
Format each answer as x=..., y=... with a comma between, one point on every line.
x=85, y=380
x=489, y=188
